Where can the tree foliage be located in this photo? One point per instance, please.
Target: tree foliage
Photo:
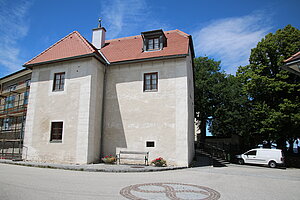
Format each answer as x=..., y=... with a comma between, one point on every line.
x=273, y=93
x=262, y=102
x=218, y=99
x=207, y=77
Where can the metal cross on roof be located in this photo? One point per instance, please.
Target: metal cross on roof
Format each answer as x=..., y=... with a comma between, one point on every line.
x=99, y=20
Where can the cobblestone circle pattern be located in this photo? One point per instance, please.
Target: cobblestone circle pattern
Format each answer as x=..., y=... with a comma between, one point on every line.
x=174, y=191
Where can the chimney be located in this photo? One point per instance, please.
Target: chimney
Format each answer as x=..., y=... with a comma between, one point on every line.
x=98, y=39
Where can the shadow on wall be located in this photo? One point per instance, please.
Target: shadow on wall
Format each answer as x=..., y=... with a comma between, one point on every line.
x=125, y=109
x=114, y=136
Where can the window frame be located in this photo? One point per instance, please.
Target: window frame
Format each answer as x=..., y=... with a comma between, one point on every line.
x=150, y=144
x=152, y=89
x=61, y=83
x=60, y=134
x=153, y=39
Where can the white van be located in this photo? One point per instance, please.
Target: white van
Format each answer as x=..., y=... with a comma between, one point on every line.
x=271, y=157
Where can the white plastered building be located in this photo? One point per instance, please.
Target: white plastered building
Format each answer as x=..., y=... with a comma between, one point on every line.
x=91, y=100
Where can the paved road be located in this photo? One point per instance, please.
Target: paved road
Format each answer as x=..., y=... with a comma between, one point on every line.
x=233, y=182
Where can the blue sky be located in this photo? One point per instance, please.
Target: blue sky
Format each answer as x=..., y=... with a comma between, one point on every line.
x=225, y=30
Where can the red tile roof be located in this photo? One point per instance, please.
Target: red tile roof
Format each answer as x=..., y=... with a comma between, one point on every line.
x=293, y=57
x=116, y=50
x=70, y=46
x=130, y=48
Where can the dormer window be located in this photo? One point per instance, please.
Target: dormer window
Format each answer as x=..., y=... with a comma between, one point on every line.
x=154, y=40
x=153, y=44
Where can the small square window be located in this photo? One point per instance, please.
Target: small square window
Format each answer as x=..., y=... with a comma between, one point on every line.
x=150, y=144
x=59, y=81
x=56, y=131
x=150, y=81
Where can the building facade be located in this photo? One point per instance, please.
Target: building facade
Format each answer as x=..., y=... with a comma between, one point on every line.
x=14, y=92
x=91, y=100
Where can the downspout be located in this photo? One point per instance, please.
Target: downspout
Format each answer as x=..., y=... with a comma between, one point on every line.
x=103, y=104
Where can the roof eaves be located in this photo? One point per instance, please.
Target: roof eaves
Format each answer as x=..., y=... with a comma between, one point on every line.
x=288, y=68
x=292, y=62
x=59, y=60
x=12, y=74
x=148, y=59
x=292, y=57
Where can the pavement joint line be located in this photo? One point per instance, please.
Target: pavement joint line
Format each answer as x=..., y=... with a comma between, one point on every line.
x=91, y=167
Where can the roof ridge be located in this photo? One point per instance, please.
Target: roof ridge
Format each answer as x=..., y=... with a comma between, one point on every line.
x=123, y=38
x=129, y=37
x=85, y=41
x=182, y=33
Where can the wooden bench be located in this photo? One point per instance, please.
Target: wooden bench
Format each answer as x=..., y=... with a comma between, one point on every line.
x=144, y=156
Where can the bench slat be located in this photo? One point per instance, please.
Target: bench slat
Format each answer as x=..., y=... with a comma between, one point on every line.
x=145, y=157
x=128, y=158
x=133, y=152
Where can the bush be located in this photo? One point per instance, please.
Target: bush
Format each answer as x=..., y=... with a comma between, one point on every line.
x=109, y=159
x=159, y=162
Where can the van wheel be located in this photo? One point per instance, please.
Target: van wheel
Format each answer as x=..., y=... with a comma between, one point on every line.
x=241, y=161
x=272, y=164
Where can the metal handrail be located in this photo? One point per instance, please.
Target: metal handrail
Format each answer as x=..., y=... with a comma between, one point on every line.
x=214, y=151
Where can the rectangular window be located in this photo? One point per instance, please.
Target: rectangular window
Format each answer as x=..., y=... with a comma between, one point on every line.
x=153, y=44
x=26, y=95
x=59, y=81
x=9, y=102
x=56, y=131
x=6, y=124
x=150, y=81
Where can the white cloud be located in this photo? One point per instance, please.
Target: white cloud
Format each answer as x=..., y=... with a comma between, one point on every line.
x=13, y=26
x=126, y=18
x=231, y=39
x=121, y=16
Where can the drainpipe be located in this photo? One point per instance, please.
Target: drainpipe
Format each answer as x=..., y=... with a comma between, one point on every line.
x=103, y=104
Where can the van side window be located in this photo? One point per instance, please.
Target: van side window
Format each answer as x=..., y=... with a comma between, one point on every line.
x=251, y=153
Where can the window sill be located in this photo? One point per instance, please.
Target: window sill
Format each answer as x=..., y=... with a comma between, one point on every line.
x=56, y=141
x=57, y=90
x=151, y=90
x=151, y=50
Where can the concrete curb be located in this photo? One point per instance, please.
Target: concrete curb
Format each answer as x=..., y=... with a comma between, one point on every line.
x=93, y=167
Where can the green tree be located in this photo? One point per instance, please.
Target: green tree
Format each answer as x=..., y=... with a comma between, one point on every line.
x=273, y=93
x=219, y=102
x=207, y=76
x=231, y=111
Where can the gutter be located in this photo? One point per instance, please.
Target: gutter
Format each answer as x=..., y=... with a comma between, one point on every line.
x=292, y=62
x=65, y=59
x=149, y=59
